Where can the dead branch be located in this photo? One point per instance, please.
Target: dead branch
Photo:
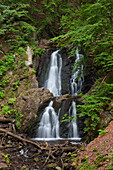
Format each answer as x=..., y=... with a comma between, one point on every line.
x=22, y=139
x=47, y=158
x=5, y=120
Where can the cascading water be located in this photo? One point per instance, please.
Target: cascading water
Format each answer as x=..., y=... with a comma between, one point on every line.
x=75, y=89
x=49, y=124
x=76, y=85
x=53, y=82
x=73, y=132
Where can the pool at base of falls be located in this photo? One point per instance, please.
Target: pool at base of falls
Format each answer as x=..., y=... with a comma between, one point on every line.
x=56, y=139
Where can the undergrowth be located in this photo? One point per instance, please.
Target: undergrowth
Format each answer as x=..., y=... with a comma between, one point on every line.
x=94, y=105
x=100, y=160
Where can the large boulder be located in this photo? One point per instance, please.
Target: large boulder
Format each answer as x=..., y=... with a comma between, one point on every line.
x=30, y=104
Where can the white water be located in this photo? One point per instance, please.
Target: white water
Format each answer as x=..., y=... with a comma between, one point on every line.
x=49, y=124
x=54, y=77
x=76, y=85
x=73, y=132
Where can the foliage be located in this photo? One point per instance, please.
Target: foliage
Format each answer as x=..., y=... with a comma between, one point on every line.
x=95, y=103
x=49, y=14
x=90, y=25
x=39, y=51
x=15, y=28
x=98, y=162
x=102, y=132
x=6, y=63
x=110, y=166
x=6, y=109
x=67, y=118
x=6, y=158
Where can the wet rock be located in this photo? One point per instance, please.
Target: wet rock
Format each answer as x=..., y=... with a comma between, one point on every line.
x=62, y=106
x=66, y=73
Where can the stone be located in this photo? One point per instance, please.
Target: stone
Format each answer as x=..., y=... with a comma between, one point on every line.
x=30, y=53
x=31, y=104
x=34, y=82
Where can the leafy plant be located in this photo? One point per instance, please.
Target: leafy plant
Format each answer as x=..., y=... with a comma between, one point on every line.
x=6, y=63
x=15, y=28
x=39, y=51
x=67, y=118
x=6, y=158
x=110, y=166
x=102, y=132
x=12, y=100
x=94, y=103
x=90, y=26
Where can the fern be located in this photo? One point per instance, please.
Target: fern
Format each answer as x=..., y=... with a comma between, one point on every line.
x=93, y=104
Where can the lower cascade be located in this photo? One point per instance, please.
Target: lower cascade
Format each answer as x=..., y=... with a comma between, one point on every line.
x=49, y=123
x=73, y=131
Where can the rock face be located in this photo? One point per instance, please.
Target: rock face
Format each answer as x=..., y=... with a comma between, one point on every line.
x=31, y=103
x=66, y=71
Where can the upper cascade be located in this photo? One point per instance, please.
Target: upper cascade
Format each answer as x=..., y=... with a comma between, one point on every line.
x=73, y=132
x=53, y=82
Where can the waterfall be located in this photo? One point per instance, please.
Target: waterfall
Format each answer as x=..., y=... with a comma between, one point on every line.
x=76, y=82
x=49, y=124
x=73, y=132
x=76, y=86
x=53, y=82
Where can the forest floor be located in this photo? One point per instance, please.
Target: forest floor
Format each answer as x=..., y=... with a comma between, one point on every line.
x=16, y=153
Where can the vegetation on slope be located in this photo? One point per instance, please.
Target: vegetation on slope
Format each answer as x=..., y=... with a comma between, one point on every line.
x=89, y=26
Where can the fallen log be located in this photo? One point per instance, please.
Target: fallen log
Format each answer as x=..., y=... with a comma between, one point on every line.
x=22, y=139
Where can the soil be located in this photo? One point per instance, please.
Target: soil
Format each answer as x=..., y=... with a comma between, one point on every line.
x=98, y=152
